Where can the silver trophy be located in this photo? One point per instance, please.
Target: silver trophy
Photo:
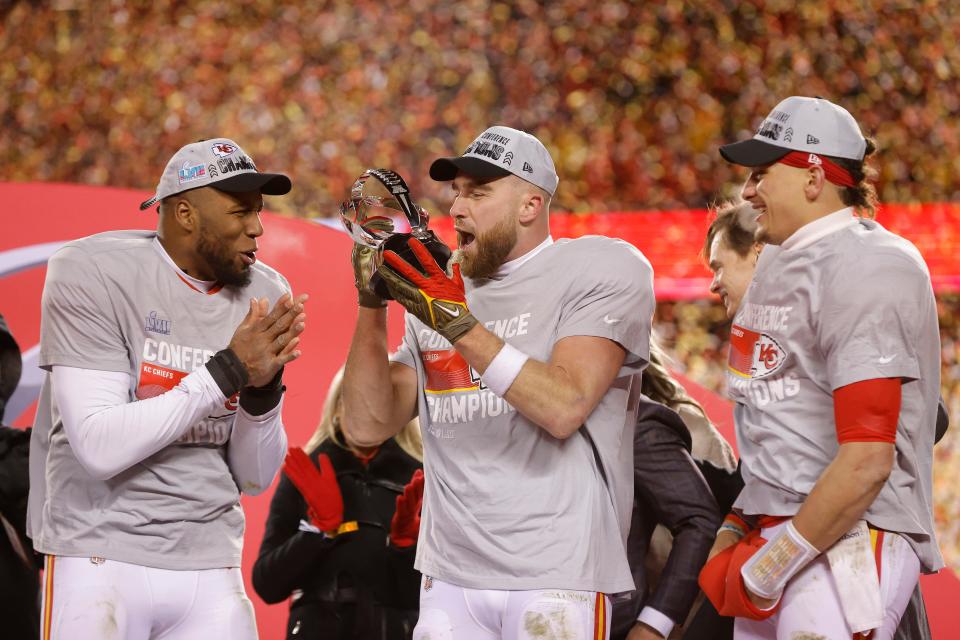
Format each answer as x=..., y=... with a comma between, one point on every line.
x=380, y=214
x=380, y=207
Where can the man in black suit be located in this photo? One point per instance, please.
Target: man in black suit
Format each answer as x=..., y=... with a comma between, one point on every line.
x=19, y=567
x=670, y=490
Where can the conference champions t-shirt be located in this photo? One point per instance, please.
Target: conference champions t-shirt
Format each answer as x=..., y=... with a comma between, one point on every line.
x=507, y=505
x=856, y=304
x=113, y=302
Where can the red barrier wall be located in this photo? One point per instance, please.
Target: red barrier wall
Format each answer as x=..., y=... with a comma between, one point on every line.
x=672, y=241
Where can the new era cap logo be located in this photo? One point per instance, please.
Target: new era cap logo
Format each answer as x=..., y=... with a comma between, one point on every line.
x=814, y=159
x=527, y=167
x=812, y=140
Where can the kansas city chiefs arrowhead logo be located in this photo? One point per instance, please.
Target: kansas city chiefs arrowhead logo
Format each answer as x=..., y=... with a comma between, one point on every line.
x=754, y=354
x=224, y=149
x=768, y=356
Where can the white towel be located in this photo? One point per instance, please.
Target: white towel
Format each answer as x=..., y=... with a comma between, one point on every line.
x=854, y=569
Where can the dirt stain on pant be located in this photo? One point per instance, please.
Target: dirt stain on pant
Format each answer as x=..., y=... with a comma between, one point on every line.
x=548, y=626
x=806, y=635
x=109, y=627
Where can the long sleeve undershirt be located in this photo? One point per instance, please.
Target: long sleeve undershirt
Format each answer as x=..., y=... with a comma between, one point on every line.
x=109, y=434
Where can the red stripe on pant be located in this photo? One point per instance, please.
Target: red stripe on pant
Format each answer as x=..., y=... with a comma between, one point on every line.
x=600, y=617
x=47, y=613
x=878, y=556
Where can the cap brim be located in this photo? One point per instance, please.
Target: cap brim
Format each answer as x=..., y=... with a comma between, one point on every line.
x=752, y=153
x=444, y=169
x=270, y=184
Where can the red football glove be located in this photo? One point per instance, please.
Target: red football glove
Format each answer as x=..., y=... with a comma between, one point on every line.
x=439, y=301
x=722, y=583
x=405, y=525
x=319, y=488
x=713, y=577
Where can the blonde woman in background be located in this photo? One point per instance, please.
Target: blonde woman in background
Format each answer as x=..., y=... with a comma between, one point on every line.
x=341, y=534
x=329, y=428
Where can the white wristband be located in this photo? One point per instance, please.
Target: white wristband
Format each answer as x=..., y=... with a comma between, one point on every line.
x=767, y=572
x=504, y=369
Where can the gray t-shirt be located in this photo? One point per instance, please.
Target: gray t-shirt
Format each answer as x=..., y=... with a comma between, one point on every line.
x=112, y=302
x=506, y=505
x=856, y=304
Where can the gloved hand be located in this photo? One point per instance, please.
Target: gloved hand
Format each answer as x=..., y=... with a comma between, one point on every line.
x=439, y=301
x=364, y=261
x=405, y=525
x=398, y=244
x=364, y=266
x=722, y=583
x=319, y=489
x=736, y=600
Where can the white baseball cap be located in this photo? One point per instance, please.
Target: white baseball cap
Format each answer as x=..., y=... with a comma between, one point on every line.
x=809, y=125
x=501, y=151
x=219, y=163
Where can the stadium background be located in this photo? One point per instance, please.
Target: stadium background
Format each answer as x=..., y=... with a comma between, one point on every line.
x=631, y=98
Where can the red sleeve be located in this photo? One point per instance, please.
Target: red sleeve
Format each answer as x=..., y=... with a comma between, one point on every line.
x=867, y=411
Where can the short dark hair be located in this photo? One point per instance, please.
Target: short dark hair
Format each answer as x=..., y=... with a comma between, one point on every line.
x=167, y=204
x=863, y=196
x=733, y=218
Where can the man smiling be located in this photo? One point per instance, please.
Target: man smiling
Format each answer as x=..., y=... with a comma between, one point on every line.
x=834, y=368
x=526, y=379
x=732, y=250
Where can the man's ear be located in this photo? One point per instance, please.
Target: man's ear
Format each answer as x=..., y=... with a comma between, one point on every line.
x=815, y=181
x=186, y=215
x=532, y=207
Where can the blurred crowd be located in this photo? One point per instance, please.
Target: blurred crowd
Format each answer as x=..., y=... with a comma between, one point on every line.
x=695, y=335
x=632, y=98
x=946, y=464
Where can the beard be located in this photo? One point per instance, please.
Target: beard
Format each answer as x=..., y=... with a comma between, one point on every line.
x=222, y=261
x=491, y=250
